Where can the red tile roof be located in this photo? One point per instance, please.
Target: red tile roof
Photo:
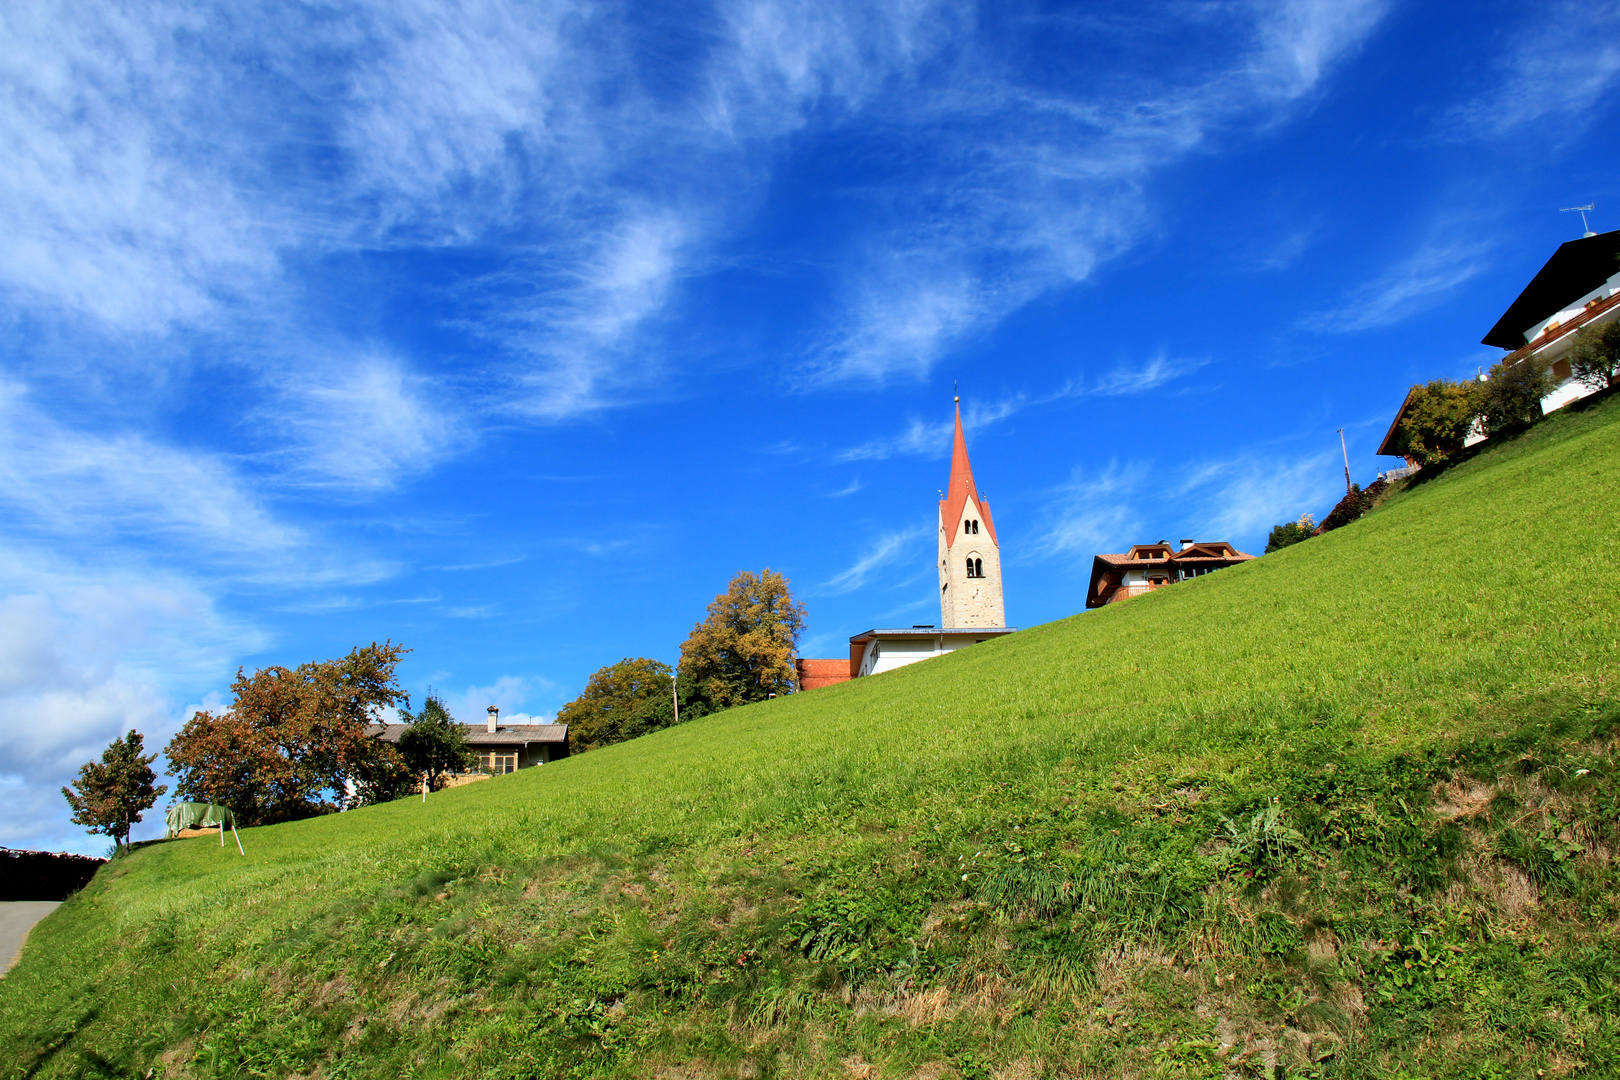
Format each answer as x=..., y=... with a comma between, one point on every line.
x=961, y=486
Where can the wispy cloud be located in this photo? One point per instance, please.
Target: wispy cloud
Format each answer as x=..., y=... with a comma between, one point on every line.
x=1413, y=285
x=1226, y=499
x=56, y=479
x=1564, y=60
x=885, y=550
x=922, y=439
x=160, y=178
x=1140, y=378
x=853, y=486
x=1094, y=511
x=365, y=423
x=1043, y=185
x=1242, y=496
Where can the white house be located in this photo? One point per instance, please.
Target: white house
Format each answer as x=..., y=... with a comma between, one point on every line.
x=1579, y=286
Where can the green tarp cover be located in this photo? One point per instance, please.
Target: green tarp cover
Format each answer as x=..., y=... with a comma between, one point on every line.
x=199, y=815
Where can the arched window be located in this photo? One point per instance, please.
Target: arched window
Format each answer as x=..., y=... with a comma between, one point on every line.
x=978, y=568
x=975, y=528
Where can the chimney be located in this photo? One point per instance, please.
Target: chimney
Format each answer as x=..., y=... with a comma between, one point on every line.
x=1185, y=544
x=494, y=718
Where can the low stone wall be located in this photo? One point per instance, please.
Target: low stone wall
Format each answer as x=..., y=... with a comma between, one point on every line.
x=44, y=875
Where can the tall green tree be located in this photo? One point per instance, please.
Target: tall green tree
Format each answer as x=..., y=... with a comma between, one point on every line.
x=296, y=742
x=1510, y=400
x=434, y=745
x=1595, y=359
x=1437, y=419
x=744, y=651
x=111, y=795
x=1290, y=533
x=621, y=701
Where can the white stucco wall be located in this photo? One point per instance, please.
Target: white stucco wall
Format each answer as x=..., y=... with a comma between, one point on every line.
x=887, y=653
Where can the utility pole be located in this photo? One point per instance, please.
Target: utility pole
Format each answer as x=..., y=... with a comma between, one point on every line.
x=675, y=689
x=1346, y=453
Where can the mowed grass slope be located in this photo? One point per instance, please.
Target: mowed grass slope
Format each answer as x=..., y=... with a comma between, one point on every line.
x=1348, y=810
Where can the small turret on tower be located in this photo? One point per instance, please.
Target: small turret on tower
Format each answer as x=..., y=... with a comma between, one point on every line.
x=969, y=556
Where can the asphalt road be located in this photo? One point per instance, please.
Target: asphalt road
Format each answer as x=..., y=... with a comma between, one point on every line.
x=17, y=917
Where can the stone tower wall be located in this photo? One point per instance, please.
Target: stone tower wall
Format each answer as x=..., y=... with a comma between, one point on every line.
x=965, y=601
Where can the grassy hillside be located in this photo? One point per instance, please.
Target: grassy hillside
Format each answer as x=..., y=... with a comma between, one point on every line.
x=1348, y=810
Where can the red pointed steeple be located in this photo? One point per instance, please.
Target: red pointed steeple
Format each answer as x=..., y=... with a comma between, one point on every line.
x=962, y=486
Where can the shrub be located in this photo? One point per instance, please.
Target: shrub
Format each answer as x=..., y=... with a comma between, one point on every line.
x=1510, y=400
x=1356, y=502
x=1595, y=360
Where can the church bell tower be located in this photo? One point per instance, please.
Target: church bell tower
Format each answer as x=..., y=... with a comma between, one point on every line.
x=969, y=557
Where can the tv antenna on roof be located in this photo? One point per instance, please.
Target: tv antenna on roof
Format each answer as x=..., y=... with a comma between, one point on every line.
x=1582, y=211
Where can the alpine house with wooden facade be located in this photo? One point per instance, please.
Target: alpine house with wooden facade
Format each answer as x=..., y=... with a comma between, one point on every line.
x=1153, y=566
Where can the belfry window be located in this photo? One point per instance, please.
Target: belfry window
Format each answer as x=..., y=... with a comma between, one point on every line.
x=969, y=527
x=975, y=567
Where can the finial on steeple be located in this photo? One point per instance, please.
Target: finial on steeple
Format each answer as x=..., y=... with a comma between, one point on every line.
x=955, y=394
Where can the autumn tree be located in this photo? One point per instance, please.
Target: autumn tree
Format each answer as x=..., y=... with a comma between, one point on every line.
x=621, y=701
x=295, y=742
x=110, y=795
x=1510, y=400
x=1595, y=359
x=1437, y=419
x=434, y=745
x=744, y=650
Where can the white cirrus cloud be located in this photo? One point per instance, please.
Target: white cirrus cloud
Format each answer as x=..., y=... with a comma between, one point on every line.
x=886, y=549
x=1024, y=188
x=1235, y=499
x=1414, y=284
x=920, y=438
x=363, y=422
x=1564, y=60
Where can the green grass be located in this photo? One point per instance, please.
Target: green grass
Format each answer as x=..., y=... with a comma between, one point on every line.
x=1348, y=810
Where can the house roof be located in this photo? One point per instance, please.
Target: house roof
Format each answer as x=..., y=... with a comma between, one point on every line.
x=1387, y=447
x=480, y=735
x=961, y=486
x=931, y=631
x=1576, y=268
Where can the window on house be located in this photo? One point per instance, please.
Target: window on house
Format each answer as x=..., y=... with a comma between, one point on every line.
x=1560, y=370
x=498, y=761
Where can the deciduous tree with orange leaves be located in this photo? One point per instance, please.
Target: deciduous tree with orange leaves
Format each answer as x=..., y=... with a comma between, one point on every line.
x=295, y=742
x=744, y=650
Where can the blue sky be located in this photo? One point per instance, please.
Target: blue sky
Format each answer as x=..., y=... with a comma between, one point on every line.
x=511, y=332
